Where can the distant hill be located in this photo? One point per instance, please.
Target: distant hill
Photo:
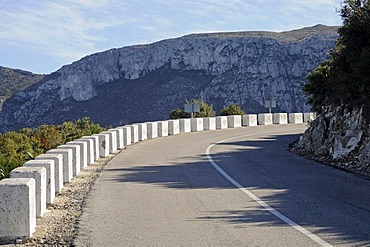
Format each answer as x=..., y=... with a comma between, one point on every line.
x=15, y=80
x=145, y=82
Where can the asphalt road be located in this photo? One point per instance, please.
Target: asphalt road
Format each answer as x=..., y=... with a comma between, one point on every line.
x=234, y=187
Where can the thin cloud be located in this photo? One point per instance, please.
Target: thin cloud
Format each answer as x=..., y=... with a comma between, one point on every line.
x=72, y=26
x=68, y=30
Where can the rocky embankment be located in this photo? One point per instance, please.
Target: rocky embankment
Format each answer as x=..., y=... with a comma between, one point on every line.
x=339, y=137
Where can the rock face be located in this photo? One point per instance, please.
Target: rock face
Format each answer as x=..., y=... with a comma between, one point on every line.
x=145, y=82
x=340, y=137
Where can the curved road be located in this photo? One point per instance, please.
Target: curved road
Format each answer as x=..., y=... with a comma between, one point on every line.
x=234, y=187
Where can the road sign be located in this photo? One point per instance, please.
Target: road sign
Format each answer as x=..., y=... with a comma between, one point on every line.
x=191, y=108
x=270, y=104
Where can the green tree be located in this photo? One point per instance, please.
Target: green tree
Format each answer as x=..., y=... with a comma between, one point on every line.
x=232, y=110
x=345, y=79
x=319, y=88
x=351, y=58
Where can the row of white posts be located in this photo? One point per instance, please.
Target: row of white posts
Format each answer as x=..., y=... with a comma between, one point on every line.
x=25, y=195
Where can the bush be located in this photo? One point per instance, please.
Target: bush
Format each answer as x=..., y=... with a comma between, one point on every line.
x=206, y=110
x=232, y=110
x=18, y=147
x=178, y=113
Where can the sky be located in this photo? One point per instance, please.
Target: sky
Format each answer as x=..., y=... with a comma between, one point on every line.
x=43, y=35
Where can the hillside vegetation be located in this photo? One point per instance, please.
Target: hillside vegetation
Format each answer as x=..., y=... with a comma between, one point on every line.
x=18, y=147
x=13, y=81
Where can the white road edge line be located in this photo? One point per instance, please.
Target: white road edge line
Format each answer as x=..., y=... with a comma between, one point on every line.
x=273, y=211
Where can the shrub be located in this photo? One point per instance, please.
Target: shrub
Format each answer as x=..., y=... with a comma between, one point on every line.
x=232, y=110
x=206, y=110
x=18, y=147
x=178, y=113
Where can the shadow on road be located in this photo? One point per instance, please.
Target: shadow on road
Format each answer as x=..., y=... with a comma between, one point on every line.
x=315, y=196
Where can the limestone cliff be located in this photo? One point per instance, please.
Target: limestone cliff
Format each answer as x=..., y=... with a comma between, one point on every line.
x=144, y=82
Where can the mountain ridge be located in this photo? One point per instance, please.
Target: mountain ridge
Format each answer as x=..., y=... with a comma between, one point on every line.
x=293, y=35
x=15, y=80
x=245, y=70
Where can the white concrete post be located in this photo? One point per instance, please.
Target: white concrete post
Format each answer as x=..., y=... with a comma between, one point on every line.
x=39, y=174
x=142, y=129
x=119, y=135
x=16, y=194
x=134, y=133
x=280, y=118
x=250, y=120
x=112, y=141
x=221, y=122
x=295, y=118
x=58, y=168
x=95, y=140
x=173, y=127
x=196, y=124
x=76, y=157
x=162, y=128
x=265, y=119
x=185, y=125
x=90, y=155
x=209, y=123
x=308, y=117
x=152, y=130
x=67, y=162
x=83, y=152
x=234, y=121
x=126, y=135
x=50, y=176
x=103, y=143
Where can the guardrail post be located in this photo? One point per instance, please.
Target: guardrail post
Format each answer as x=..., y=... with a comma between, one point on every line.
x=39, y=174
x=250, y=120
x=58, y=168
x=76, y=157
x=67, y=162
x=17, y=193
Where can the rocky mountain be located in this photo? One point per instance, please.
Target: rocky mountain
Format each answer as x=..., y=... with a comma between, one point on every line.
x=14, y=80
x=145, y=82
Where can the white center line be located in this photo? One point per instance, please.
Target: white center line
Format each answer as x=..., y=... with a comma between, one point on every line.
x=282, y=217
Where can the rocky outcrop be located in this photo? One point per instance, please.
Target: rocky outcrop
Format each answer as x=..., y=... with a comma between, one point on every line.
x=340, y=137
x=144, y=82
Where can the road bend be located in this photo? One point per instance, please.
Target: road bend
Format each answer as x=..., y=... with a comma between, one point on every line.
x=232, y=187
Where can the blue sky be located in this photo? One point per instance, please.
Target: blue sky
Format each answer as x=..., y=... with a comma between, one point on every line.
x=43, y=35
